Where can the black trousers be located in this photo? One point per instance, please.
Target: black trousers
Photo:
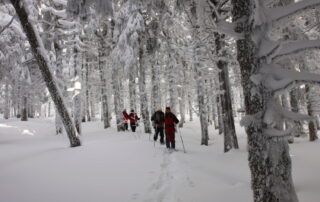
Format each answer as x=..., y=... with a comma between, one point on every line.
x=159, y=130
x=125, y=125
x=133, y=127
x=170, y=144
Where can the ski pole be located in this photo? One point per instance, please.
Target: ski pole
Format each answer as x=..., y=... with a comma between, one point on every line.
x=184, y=149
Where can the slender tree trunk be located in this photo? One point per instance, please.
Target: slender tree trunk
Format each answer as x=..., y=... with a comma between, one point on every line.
x=37, y=47
x=220, y=116
x=132, y=91
x=7, y=102
x=171, y=72
x=156, y=97
x=230, y=137
x=116, y=91
x=143, y=92
x=190, y=106
x=213, y=105
x=24, y=110
x=295, y=108
x=59, y=77
x=201, y=100
x=77, y=108
x=312, y=125
x=92, y=106
x=87, y=90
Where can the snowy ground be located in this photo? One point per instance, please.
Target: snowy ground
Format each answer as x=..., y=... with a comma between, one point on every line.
x=37, y=166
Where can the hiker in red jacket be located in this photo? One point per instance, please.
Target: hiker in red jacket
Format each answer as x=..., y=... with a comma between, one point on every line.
x=133, y=117
x=125, y=120
x=169, y=127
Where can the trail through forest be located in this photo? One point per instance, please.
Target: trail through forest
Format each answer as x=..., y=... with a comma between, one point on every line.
x=37, y=165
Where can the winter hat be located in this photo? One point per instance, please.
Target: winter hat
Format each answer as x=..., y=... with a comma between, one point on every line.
x=168, y=109
x=132, y=110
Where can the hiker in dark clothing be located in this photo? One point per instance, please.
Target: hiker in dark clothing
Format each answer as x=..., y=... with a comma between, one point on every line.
x=158, y=124
x=169, y=123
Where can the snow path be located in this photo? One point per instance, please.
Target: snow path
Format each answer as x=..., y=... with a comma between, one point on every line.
x=37, y=166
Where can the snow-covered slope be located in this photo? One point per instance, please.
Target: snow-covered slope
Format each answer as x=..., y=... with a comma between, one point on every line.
x=37, y=166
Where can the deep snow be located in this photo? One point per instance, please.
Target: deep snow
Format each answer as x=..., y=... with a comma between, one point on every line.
x=38, y=166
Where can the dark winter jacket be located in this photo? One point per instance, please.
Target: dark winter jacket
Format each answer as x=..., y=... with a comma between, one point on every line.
x=169, y=121
x=158, y=118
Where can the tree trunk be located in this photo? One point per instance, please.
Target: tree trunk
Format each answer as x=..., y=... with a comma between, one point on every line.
x=87, y=90
x=312, y=125
x=132, y=91
x=77, y=108
x=190, y=106
x=155, y=80
x=220, y=116
x=38, y=51
x=230, y=137
x=92, y=106
x=104, y=97
x=182, y=95
x=269, y=158
x=143, y=91
x=213, y=104
x=7, y=102
x=24, y=110
x=60, y=83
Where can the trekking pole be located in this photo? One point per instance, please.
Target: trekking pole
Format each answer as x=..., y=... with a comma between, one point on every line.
x=184, y=149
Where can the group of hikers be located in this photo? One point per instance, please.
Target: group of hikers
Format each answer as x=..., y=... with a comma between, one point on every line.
x=162, y=123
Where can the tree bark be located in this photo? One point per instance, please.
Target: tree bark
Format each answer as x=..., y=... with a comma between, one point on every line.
x=230, y=137
x=37, y=49
x=311, y=125
x=269, y=158
x=132, y=91
x=24, y=110
x=7, y=102
x=142, y=88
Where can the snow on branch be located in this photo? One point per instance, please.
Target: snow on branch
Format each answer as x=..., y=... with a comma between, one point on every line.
x=60, y=13
x=275, y=14
x=275, y=77
x=61, y=2
x=294, y=47
x=276, y=114
x=272, y=132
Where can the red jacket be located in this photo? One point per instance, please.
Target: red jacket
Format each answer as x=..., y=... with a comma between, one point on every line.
x=132, y=117
x=169, y=120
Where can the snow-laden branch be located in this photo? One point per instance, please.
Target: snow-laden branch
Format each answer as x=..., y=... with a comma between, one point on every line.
x=60, y=13
x=275, y=14
x=294, y=47
x=272, y=132
x=67, y=24
x=61, y=2
x=275, y=77
x=275, y=114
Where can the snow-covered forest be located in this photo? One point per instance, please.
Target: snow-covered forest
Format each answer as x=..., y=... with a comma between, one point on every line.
x=159, y=100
